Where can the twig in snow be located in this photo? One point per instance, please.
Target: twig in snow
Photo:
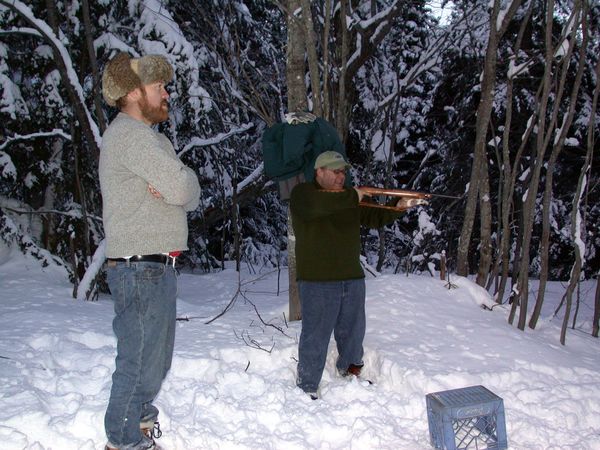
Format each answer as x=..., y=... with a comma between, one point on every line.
x=253, y=343
x=188, y=318
x=26, y=363
x=278, y=328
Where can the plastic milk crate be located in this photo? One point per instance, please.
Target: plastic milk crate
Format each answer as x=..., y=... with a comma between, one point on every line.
x=467, y=418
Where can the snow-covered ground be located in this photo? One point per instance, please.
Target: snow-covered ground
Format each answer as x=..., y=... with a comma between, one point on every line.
x=232, y=381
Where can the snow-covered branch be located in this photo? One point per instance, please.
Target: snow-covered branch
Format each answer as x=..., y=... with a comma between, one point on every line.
x=200, y=142
x=85, y=285
x=22, y=30
x=429, y=58
x=506, y=15
x=374, y=29
x=252, y=178
x=72, y=213
x=110, y=41
x=25, y=137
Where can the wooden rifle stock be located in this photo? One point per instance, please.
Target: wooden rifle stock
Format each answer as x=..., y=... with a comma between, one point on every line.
x=420, y=198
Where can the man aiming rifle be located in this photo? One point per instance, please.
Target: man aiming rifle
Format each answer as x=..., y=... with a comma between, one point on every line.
x=327, y=218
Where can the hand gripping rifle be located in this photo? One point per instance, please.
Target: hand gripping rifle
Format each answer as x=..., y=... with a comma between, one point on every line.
x=414, y=198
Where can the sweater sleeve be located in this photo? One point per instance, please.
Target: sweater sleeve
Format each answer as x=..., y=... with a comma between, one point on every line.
x=377, y=217
x=154, y=160
x=310, y=203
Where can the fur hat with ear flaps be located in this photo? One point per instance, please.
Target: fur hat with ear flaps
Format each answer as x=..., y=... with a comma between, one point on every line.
x=123, y=74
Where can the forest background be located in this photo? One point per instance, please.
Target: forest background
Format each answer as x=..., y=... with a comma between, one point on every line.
x=496, y=105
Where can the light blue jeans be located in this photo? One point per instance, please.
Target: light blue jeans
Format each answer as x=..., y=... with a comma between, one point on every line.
x=329, y=306
x=144, y=295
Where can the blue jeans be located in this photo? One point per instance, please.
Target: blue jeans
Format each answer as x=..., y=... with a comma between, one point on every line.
x=144, y=295
x=329, y=306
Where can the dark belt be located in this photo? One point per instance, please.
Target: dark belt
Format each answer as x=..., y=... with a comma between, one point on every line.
x=163, y=259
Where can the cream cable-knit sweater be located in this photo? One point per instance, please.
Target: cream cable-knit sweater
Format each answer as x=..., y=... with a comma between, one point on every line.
x=132, y=157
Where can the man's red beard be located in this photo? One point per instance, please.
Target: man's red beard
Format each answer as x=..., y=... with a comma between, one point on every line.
x=154, y=114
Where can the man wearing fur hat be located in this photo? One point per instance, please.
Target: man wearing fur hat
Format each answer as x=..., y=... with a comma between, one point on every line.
x=146, y=191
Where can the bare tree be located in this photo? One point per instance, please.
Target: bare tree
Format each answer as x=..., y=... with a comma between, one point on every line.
x=546, y=130
x=91, y=51
x=295, y=70
x=596, y=321
x=509, y=167
x=557, y=148
x=478, y=187
x=577, y=223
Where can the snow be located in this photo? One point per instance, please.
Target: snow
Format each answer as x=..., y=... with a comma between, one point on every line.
x=232, y=381
x=7, y=168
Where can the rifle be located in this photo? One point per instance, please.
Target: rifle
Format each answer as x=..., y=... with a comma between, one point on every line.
x=415, y=197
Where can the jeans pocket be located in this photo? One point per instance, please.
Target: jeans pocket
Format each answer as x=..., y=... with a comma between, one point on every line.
x=116, y=283
x=153, y=271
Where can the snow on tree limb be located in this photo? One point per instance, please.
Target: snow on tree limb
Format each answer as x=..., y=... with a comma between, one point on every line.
x=110, y=41
x=22, y=30
x=25, y=137
x=199, y=142
x=374, y=28
x=85, y=285
x=253, y=177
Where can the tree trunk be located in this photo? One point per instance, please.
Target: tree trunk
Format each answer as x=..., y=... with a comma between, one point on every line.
x=559, y=145
x=485, y=244
x=325, y=45
x=235, y=218
x=392, y=113
x=82, y=197
x=590, y=145
x=577, y=224
x=49, y=233
x=295, y=65
x=313, y=62
x=295, y=69
x=596, y=321
x=484, y=110
x=89, y=40
x=544, y=132
x=341, y=119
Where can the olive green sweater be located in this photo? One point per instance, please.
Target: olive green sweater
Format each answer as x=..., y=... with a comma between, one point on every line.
x=327, y=229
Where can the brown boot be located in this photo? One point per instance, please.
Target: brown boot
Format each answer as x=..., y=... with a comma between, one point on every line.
x=353, y=369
